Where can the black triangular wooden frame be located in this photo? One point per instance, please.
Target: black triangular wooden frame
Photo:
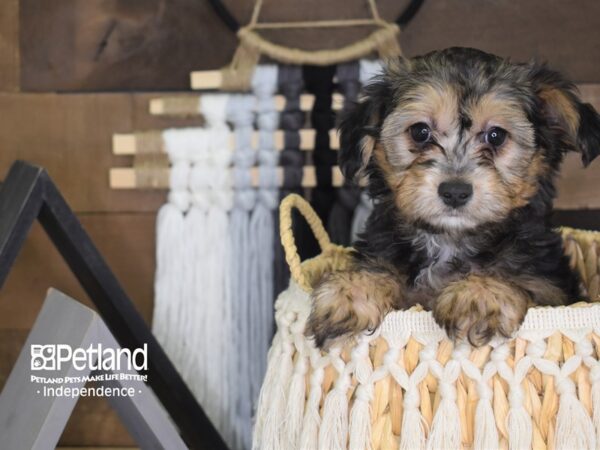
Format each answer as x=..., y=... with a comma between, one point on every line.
x=28, y=194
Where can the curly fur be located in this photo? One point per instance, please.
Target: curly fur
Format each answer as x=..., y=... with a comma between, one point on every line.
x=477, y=267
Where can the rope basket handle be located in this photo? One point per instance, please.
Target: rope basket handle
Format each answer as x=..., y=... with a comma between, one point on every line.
x=291, y=202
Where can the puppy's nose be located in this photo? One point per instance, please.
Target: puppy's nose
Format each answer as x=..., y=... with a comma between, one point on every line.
x=455, y=193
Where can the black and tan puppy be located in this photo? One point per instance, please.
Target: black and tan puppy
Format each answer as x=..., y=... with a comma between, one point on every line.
x=461, y=149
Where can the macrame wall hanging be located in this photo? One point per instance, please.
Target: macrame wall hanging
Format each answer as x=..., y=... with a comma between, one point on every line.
x=219, y=265
x=237, y=76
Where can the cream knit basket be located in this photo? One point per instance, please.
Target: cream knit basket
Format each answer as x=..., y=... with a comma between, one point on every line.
x=407, y=386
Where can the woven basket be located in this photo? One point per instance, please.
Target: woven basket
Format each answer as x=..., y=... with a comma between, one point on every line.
x=407, y=386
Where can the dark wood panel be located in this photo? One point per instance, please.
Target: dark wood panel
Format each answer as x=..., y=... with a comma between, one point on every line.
x=567, y=34
x=71, y=136
x=578, y=187
x=95, y=423
x=154, y=44
x=125, y=240
x=9, y=45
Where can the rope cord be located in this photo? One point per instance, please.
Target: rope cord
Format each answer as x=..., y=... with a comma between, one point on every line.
x=236, y=76
x=291, y=202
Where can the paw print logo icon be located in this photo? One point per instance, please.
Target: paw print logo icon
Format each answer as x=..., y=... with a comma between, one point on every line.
x=43, y=357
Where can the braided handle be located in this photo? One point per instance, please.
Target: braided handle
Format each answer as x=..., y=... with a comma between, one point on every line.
x=287, y=235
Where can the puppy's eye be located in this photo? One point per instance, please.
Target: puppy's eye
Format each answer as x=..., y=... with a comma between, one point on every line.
x=495, y=136
x=420, y=132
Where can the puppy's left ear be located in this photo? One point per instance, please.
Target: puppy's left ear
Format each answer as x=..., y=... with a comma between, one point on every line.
x=360, y=128
x=562, y=107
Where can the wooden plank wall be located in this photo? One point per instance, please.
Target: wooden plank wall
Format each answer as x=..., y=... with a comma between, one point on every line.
x=102, y=55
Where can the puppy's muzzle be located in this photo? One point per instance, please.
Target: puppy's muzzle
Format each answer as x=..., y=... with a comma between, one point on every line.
x=455, y=193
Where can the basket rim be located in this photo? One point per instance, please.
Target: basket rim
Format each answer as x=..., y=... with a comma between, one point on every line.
x=576, y=316
x=579, y=316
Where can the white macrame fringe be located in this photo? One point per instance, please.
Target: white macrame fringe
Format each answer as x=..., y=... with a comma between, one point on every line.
x=595, y=377
x=445, y=429
x=574, y=428
x=519, y=428
x=413, y=424
x=272, y=436
x=295, y=404
x=485, y=433
x=360, y=419
x=267, y=392
x=333, y=434
x=309, y=438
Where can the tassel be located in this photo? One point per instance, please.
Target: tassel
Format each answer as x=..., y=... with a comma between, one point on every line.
x=197, y=220
x=519, y=427
x=262, y=227
x=445, y=429
x=295, y=404
x=267, y=393
x=192, y=318
x=485, y=432
x=217, y=298
x=413, y=428
x=240, y=113
x=169, y=233
x=595, y=380
x=360, y=418
x=574, y=428
x=309, y=439
x=170, y=247
x=189, y=319
x=261, y=298
x=333, y=434
x=279, y=370
x=272, y=433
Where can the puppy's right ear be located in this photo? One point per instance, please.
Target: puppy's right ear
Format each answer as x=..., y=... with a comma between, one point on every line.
x=361, y=126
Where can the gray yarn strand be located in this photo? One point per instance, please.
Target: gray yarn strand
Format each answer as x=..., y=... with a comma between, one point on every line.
x=241, y=116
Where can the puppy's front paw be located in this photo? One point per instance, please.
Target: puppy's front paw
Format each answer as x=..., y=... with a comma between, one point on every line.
x=347, y=303
x=480, y=307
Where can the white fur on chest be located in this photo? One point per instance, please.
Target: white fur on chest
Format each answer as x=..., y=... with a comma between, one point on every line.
x=441, y=250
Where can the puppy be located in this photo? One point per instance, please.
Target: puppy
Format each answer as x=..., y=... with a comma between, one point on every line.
x=461, y=149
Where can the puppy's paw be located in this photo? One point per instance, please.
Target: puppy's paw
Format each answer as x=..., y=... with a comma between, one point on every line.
x=350, y=302
x=480, y=307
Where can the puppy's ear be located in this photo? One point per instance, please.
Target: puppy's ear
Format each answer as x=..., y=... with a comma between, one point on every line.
x=562, y=108
x=360, y=128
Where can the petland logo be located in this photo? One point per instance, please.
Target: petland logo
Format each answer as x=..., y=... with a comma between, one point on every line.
x=53, y=356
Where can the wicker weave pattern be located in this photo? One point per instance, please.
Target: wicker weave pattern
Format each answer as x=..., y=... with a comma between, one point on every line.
x=407, y=386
